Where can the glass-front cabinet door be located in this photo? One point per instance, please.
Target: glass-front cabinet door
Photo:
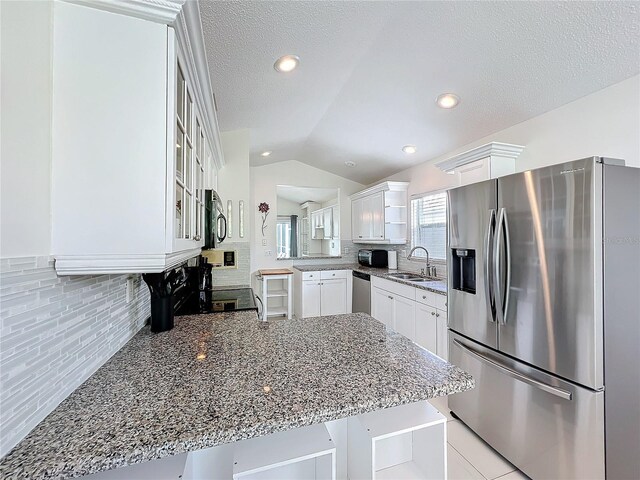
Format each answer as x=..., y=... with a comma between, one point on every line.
x=189, y=163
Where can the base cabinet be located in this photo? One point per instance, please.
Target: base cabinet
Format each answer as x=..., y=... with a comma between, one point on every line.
x=426, y=328
x=395, y=311
x=322, y=293
x=404, y=442
x=419, y=315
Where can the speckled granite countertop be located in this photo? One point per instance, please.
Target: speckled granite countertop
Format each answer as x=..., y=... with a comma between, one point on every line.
x=437, y=286
x=223, y=377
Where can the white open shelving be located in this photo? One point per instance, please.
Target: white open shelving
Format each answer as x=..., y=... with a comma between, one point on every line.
x=399, y=443
x=276, y=293
x=301, y=453
x=405, y=442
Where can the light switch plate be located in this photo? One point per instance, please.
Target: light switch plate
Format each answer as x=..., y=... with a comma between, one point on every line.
x=264, y=242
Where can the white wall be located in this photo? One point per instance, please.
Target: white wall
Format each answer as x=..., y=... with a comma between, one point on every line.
x=233, y=179
x=264, y=181
x=288, y=207
x=605, y=123
x=25, y=70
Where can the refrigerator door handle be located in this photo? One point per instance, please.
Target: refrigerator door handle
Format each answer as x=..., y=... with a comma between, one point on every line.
x=558, y=392
x=488, y=291
x=502, y=298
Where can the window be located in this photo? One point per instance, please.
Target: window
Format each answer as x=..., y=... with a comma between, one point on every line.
x=429, y=224
x=283, y=237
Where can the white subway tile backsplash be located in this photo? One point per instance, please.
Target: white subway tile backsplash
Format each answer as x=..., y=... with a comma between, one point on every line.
x=54, y=333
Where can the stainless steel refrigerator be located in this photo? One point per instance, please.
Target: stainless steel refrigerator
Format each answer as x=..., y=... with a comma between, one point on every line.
x=544, y=312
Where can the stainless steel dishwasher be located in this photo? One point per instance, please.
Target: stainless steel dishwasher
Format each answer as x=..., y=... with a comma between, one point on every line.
x=361, y=293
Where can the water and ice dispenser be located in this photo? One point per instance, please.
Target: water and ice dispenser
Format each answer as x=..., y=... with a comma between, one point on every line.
x=463, y=271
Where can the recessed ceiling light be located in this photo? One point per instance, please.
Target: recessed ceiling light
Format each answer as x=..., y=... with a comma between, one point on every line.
x=265, y=154
x=286, y=63
x=409, y=149
x=451, y=172
x=447, y=100
x=350, y=163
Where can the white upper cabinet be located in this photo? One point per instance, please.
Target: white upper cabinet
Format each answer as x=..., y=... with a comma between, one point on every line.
x=482, y=163
x=379, y=214
x=135, y=138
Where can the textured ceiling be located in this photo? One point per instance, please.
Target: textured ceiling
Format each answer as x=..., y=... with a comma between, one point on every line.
x=370, y=72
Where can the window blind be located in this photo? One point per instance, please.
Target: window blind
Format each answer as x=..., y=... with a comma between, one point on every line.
x=429, y=225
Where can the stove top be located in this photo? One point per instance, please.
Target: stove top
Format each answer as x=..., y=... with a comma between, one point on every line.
x=215, y=300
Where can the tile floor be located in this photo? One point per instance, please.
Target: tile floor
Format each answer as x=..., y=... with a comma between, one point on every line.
x=469, y=457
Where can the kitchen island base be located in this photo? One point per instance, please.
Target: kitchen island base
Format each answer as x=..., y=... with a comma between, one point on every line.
x=408, y=442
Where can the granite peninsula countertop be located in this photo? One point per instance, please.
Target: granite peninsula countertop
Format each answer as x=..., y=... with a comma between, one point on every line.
x=224, y=377
x=436, y=286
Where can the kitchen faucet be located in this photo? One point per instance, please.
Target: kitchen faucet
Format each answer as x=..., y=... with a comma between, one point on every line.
x=428, y=270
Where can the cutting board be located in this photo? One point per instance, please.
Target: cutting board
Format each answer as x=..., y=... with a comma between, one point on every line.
x=276, y=271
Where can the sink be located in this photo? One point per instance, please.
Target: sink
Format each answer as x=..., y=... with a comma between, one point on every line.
x=407, y=276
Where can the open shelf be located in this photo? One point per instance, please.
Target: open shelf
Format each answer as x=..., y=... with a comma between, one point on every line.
x=277, y=293
x=277, y=311
x=405, y=442
x=403, y=471
x=307, y=452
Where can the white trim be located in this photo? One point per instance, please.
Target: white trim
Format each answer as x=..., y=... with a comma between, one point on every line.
x=381, y=187
x=188, y=28
x=118, y=264
x=417, y=196
x=158, y=11
x=504, y=150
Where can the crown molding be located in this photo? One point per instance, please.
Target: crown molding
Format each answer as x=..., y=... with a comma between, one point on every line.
x=493, y=149
x=158, y=11
x=120, y=264
x=188, y=27
x=381, y=187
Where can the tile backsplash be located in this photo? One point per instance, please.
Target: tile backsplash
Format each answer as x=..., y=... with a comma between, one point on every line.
x=403, y=263
x=54, y=333
x=234, y=276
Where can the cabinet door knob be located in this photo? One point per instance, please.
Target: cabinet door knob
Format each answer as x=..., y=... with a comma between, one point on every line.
x=390, y=297
x=437, y=314
x=433, y=313
x=333, y=275
x=424, y=297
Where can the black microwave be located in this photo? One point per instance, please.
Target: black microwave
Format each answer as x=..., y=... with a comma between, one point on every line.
x=373, y=258
x=215, y=223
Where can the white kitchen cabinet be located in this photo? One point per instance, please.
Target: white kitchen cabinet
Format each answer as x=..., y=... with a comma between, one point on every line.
x=327, y=215
x=133, y=139
x=404, y=316
x=442, y=347
x=418, y=314
x=395, y=311
x=311, y=298
x=382, y=306
x=379, y=214
x=335, y=222
x=333, y=296
x=321, y=293
x=426, y=330
x=491, y=160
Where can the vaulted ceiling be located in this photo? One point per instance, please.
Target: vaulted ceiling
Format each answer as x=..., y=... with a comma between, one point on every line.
x=370, y=72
